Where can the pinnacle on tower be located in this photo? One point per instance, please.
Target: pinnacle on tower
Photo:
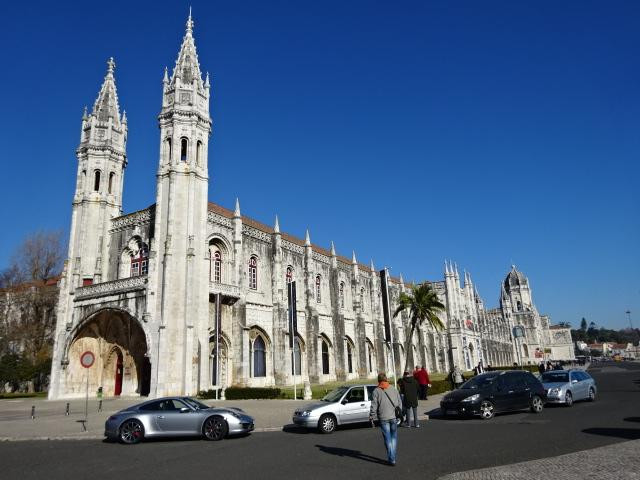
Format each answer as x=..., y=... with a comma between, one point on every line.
x=187, y=67
x=276, y=226
x=236, y=211
x=446, y=268
x=353, y=258
x=333, y=249
x=373, y=268
x=106, y=105
x=307, y=239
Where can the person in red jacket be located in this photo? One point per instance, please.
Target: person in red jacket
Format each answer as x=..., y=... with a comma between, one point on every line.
x=422, y=376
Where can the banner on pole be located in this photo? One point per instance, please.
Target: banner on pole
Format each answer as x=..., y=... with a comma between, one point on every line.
x=293, y=314
x=384, y=286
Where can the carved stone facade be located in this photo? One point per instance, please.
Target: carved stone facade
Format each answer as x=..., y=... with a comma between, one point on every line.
x=139, y=289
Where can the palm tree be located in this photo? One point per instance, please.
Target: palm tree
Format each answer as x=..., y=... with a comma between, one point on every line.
x=423, y=304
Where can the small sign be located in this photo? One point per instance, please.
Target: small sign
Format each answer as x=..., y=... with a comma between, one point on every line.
x=87, y=359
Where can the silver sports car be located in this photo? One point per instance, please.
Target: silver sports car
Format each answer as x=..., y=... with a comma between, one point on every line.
x=176, y=417
x=568, y=386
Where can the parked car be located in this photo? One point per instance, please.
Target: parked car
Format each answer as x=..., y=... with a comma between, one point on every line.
x=344, y=405
x=176, y=417
x=568, y=386
x=495, y=392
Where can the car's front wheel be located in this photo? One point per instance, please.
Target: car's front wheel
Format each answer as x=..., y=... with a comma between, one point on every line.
x=131, y=431
x=568, y=399
x=327, y=423
x=215, y=428
x=487, y=410
x=592, y=394
x=536, y=404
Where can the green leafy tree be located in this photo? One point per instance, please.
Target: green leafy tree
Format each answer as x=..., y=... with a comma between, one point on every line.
x=583, y=324
x=423, y=306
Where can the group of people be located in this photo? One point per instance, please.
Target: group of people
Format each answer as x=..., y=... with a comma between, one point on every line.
x=542, y=367
x=389, y=405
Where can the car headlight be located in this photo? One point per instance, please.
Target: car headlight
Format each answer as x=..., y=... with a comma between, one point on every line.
x=554, y=391
x=305, y=413
x=472, y=398
x=235, y=414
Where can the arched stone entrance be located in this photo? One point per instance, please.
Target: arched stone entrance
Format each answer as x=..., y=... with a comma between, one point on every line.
x=119, y=344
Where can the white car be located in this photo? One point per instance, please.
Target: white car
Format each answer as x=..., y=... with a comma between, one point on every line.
x=344, y=405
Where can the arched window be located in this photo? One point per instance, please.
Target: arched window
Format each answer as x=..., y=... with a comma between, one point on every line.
x=318, y=289
x=341, y=294
x=325, y=357
x=289, y=276
x=296, y=355
x=169, y=150
x=83, y=180
x=369, y=359
x=198, y=152
x=259, y=358
x=216, y=267
x=184, y=143
x=140, y=263
x=253, y=273
x=519, y=306
x=112, y=176
x=96, y=181
x=349, y=357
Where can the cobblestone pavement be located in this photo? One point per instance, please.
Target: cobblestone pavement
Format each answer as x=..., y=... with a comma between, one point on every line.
x=613, y=462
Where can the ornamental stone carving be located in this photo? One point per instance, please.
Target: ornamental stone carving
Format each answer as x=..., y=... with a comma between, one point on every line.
x=138, y=218
x=122, y=285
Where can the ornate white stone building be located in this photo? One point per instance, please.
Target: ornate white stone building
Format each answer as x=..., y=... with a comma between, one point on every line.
x=137, y=289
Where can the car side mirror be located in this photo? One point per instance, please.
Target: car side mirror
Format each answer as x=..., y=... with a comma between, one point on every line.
x=344, y=402
x=185, y=410
x=574, y=381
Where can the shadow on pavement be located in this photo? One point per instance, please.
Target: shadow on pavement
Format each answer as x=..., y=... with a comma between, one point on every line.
x=346, y=452
x=632, y=419
x=292, y=428
x=626, y=433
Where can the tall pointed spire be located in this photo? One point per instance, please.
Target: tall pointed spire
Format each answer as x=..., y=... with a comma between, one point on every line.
x=236, y=211
x=446, y=268
x=276, y=226
x=333, y=249
x=187, y=68
x=372, y=266
x=106, y=105
x=307, y=239
x=353, y=258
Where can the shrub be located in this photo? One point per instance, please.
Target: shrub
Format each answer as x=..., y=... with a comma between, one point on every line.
x=209, y=394
x=251, y=393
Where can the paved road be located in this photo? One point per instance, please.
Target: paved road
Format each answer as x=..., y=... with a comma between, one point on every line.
x=440, y=447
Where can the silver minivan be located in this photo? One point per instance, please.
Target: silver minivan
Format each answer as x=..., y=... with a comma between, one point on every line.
x=344, y=405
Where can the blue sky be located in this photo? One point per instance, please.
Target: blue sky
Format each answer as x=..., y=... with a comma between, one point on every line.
x=489, y=132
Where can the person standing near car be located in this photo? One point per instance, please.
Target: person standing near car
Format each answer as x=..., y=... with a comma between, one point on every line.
x=422, y=376
x=384, y=401
x=410, y=389
x=458, y=379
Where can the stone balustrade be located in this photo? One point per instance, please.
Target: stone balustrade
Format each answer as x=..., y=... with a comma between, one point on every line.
x=114, y=287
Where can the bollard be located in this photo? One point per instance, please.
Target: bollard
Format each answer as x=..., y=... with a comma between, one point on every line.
x=100, y=405
x=33, y=412
x=67, y=410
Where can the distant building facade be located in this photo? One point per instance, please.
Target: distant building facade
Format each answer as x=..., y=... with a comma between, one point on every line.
x=138, y=289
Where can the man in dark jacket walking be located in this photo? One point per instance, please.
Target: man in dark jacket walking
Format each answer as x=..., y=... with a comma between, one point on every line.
x=409, y=390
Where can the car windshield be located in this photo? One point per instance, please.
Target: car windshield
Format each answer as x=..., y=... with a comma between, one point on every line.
x=479, y=381
x=195, y=404
x=335, y=395
x=555, y=377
